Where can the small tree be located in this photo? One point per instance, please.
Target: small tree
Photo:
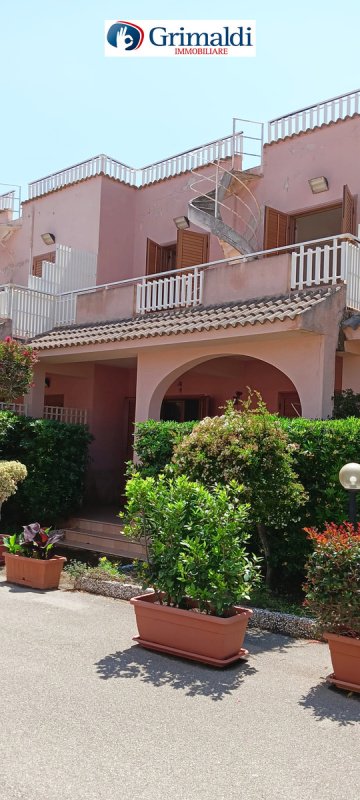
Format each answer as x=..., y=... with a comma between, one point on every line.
x=17, y=363
x=11, y=473
x=252, y=449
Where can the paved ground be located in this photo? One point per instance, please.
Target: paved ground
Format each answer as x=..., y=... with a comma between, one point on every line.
x=86, y=714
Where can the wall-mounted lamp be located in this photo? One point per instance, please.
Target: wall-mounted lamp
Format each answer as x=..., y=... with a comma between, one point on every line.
x=182, y=223
x=48, y=238
x=318, y=185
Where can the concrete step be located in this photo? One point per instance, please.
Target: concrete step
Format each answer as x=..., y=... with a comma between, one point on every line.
x=95, y=526
x=110, y=544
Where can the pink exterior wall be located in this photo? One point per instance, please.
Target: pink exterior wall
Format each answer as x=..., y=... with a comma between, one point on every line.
x=330, y=151
x=222, y=377
x=117, y=231
x=71, y=214
x=156, y=207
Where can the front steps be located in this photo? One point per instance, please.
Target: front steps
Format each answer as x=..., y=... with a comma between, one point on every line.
x=101, y=537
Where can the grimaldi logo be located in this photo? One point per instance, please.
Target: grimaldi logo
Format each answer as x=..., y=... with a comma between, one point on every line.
x=149, y=38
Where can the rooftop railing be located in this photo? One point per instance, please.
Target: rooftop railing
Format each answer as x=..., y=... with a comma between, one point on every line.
x=326, y=111
x=200, y=156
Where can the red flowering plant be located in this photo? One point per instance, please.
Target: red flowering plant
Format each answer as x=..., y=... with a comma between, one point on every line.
x=333, y=579
x=17, y=363
x=33, y=542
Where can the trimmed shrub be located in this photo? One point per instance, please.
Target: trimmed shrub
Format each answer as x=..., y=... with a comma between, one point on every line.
x=196, y=541
x=250, y=448
x=155, y=442
x=320, y=449
x=56, y=456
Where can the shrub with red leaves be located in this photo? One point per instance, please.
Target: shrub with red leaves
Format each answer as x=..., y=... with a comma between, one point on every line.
x=333, y=578
x=17, y=363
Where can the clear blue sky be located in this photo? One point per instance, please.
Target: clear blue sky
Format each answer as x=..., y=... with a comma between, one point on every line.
x=63, y=101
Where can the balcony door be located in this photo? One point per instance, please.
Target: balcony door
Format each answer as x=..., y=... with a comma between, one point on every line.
x=325, y=221
x=190, y=249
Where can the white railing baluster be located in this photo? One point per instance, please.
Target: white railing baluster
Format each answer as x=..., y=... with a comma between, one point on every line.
x=309, y=264
x=317, y=277
x=301, y=266
x=327, y=250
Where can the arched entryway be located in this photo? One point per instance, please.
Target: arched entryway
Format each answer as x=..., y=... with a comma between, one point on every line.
x=204, y=389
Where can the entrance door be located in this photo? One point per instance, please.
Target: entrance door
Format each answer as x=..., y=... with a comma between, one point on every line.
x=190, y=249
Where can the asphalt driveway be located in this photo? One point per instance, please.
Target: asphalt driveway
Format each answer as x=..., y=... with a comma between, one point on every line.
x=87, y=714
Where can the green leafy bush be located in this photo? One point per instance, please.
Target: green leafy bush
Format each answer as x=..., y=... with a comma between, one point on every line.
x=319, y=449
x=333, y=579
x=56, y=456
x=196, y=541
x=346, y=404
x=250, y=448
x=155, y=442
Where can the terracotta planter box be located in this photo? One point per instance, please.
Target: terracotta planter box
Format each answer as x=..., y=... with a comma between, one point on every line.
x=345, y=657
x=33, y=572
x=199, y=637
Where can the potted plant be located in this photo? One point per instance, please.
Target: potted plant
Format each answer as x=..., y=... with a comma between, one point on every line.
x=197, y=565
x=333, y=596
x=29, y=560
x=11, y=473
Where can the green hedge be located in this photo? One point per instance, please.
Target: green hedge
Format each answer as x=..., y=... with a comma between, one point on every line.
x=321, y=448
x=56, y=456
x=155, y=443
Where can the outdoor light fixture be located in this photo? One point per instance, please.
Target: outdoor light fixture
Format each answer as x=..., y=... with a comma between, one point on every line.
x=48, y=238
x=318, y=185
x=182, y=223
x=349, y=477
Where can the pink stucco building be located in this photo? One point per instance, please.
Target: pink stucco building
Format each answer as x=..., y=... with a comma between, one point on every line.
x=165, y=291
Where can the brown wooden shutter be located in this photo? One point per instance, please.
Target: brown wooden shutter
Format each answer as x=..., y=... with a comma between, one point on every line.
x=153, y=257
x=276, y=230
x=192, y=248
x=348, y=222
x=37, y=262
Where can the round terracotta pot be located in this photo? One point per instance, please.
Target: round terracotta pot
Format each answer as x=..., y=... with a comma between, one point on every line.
x=345, y=657
x=200, y=637
x=33, y=572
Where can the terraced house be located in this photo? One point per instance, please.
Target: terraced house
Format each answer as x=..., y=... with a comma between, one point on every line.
x=164, y=291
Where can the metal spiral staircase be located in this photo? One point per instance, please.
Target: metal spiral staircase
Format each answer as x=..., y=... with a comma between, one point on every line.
x=229, y=210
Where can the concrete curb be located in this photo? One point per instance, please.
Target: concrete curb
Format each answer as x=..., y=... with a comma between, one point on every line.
x=272, y=621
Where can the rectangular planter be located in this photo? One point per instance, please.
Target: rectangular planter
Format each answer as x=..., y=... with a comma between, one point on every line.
x=193, y=635
x=33, y=572
x=345, y=657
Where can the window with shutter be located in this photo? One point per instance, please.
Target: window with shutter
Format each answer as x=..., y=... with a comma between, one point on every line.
x=192, y=249
x=348, y=222
x=153, y=257
x=38, y=260
x=276, y=230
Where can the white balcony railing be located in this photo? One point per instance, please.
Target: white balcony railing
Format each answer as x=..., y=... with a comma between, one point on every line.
x=312, y=116
x=32, y=312
x=176, y=291
x=74, y=416
x=324, y=263
x=72, y=269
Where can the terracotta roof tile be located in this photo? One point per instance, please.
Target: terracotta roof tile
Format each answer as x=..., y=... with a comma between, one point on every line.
x=184, y=321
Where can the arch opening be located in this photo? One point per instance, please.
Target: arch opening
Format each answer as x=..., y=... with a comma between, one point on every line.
x=206, y=387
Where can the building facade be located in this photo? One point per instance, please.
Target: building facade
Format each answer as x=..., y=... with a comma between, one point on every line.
x=166, y=291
